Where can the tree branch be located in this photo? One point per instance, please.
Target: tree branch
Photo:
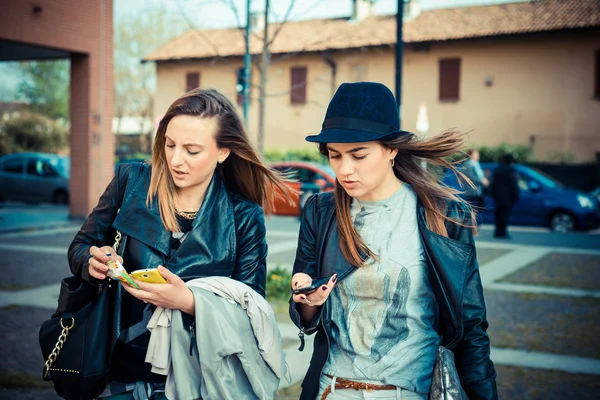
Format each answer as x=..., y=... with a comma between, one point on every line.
x=282, y=23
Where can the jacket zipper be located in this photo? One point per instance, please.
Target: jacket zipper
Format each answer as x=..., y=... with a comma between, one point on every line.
x=192, y=339
x=301, y=336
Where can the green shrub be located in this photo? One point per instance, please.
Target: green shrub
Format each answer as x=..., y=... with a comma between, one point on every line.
x=306, y=154
x=279, y=284
x=33, y=132
x=522, y=153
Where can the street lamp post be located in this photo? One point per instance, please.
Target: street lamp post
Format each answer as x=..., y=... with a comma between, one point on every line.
x=247, y=65
x=399, y=46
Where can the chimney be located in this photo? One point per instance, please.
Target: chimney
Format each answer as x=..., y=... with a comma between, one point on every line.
x=412, y=9
x=361, y=9
x=257, y=21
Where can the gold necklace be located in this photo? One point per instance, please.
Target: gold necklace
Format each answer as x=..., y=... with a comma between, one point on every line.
x=186, y=214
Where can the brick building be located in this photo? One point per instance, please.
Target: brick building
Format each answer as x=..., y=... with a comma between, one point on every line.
x=81, y=31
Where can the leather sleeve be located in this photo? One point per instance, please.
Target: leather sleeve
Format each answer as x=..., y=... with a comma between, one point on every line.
x=306, y=258
x=97, y=229
x=472, y=354
x=251, y=256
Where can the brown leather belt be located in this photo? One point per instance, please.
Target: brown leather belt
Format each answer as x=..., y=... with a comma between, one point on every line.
x=348, y=384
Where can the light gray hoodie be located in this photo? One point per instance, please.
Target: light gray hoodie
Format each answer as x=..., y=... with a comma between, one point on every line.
x=237, y=352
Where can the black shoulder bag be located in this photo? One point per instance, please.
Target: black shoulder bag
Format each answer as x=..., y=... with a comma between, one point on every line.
x=77, y=342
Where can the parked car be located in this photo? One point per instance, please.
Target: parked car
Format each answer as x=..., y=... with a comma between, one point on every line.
x=596, y=194
x=35, y=178
x=543, y=202
x=311, y=178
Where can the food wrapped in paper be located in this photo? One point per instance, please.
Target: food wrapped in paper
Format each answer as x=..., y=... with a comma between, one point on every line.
x=117, y=271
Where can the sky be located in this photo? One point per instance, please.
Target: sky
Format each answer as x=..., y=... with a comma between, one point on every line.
x=218, y=13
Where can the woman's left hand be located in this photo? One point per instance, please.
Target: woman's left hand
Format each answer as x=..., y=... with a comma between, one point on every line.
x=174, y=294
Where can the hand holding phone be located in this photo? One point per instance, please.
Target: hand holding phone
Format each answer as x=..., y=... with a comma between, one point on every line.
x=313, y=286
x=150, y=275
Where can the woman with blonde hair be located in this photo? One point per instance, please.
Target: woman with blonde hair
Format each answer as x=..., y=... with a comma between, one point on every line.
x=394, y=252
x=196, y=211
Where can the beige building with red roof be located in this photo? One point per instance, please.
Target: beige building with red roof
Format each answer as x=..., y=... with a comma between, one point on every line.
x=524, y=73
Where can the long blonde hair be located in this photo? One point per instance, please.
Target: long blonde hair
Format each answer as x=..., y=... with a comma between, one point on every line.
x=425, y=183
x=243, y=171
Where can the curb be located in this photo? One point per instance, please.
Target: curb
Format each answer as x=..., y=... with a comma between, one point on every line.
x=40, y=228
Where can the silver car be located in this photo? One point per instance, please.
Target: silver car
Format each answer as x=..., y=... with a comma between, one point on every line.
x=35, y=178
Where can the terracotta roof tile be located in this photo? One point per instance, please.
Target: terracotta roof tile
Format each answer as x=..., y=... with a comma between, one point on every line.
x=432, y=25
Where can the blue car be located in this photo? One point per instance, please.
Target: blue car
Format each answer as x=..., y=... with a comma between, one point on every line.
x=543, y=202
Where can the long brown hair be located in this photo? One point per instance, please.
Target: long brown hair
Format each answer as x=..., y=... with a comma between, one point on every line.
x=243, y=171
x=424, y=181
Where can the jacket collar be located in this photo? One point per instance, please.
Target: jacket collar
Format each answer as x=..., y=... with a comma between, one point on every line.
x=142, y=222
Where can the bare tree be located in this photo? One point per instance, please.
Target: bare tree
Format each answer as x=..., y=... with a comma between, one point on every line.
x=135, y=83
x=263, y=67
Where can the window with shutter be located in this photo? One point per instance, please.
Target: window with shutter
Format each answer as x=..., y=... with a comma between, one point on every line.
x=298, y=85
x=597, y=70
x=449, y=79
x=192, y=80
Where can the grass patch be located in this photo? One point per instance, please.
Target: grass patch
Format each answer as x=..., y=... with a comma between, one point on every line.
x=484, y=256
x=279, y=284
x=281, y=310
x=545, y=323
x=576, y=271
x=21, y=380
x=527, y=383
x=279, y=290
x=10, y=308
x=13, y=287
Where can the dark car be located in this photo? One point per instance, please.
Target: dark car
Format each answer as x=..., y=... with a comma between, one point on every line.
x=311, y=178
x=35, y=178
x=596, y=194
x=543, y=202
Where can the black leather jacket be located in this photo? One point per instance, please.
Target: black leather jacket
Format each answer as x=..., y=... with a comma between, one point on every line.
x=454, y=270
x=228, y=238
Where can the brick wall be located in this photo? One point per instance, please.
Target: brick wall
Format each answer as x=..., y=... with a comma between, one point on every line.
x=84, y=29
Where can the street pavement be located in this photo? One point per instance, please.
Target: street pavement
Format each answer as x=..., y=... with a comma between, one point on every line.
x=543, y=315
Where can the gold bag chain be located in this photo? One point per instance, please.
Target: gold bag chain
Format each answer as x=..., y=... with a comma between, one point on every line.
x=65, y=330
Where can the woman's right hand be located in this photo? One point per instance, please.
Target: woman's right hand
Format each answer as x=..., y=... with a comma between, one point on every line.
x=98, y=258
x=316, y=298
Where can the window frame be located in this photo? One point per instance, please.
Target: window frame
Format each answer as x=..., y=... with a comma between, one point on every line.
x=449, y=71
x=298, y=90
x=188, y=84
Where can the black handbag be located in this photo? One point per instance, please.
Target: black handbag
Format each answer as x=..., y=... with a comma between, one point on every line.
x=445, y=382
x=77, y=341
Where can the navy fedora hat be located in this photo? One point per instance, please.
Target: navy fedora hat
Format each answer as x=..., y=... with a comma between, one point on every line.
x=360, y=112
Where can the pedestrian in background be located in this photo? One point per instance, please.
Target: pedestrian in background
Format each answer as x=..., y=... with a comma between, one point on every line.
x=398, y=250
x=474, y=195
x=473, y=171
x=505, y=192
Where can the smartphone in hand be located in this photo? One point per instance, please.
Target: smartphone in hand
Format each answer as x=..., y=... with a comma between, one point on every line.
x=150, y=275
x=314, y=286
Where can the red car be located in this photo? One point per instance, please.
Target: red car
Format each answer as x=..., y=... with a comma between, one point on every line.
x=312, y=178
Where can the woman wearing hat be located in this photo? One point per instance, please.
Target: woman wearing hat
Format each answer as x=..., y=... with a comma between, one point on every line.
x=398, y=250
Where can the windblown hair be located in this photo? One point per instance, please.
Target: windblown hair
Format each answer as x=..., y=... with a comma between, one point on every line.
x=242, y=171
x=425, y=182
